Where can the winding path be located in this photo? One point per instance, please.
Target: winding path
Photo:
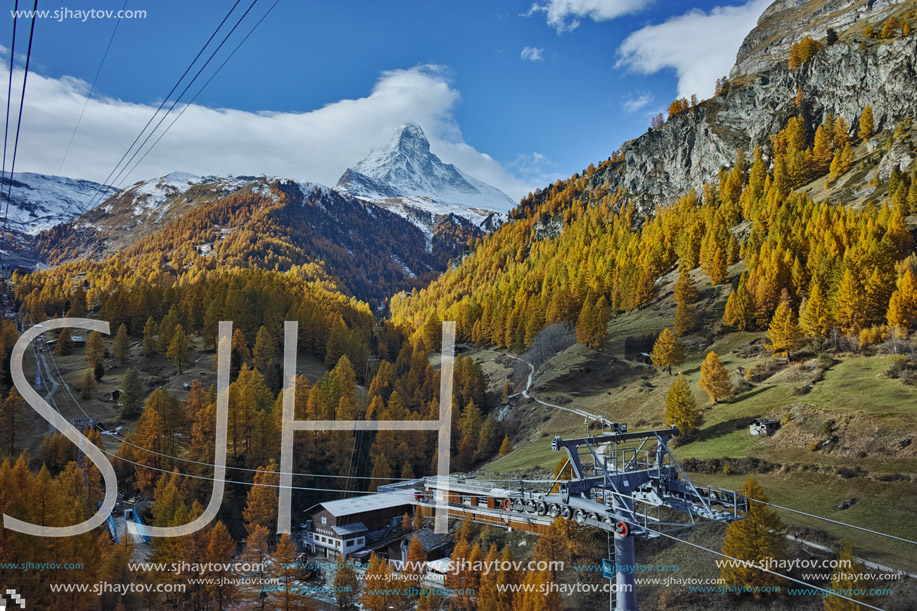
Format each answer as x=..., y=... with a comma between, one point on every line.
x=528, y=385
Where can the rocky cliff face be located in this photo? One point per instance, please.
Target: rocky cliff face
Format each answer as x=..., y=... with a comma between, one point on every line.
x=689, y=149
x=786, y=21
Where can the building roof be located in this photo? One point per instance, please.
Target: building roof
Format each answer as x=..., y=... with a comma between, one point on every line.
x=366, y=503
x=429, y=539
x=349, y=529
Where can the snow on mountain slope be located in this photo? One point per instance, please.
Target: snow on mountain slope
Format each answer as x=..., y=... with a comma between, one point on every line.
x=39, y=202
x=410, y=180
x=146, y=206
x=151, y=194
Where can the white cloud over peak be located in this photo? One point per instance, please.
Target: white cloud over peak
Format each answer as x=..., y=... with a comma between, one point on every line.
x=532, y=54
x=565, y=15
x=316, y=145
x=700, y=46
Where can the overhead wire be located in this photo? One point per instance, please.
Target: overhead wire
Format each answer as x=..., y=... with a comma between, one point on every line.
x=766, y=570
x=162, y=104
x=812, y=515
x=204, y=86
x=494, y=481
x=92, y=87
x=118, y=179
x=225, y=481
x=294, y=473
x=9, y=95
x=838, y=522
x=25, y=80
x=354, y=491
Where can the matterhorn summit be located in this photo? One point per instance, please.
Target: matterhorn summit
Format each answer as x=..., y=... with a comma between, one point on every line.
x=409, y=179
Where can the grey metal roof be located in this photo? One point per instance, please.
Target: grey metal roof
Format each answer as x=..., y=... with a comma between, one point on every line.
x=349, y=529
x=366, y=503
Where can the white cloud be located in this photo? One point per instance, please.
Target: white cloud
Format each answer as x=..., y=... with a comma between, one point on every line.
x=532, y=54
x=638, y=101
x=536, y=169
x=316, y=145
x=701, y=47
x=565, y=15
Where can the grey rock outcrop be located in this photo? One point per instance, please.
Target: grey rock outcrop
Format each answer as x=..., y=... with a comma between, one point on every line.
x=787, y=21
x=689, y=149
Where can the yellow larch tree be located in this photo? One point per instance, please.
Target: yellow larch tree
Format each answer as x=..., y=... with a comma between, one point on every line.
x=667, y=351
x=714, y=379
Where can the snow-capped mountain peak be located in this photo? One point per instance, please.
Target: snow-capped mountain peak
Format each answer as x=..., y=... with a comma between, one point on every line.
x=408, y=168
x=409, y=179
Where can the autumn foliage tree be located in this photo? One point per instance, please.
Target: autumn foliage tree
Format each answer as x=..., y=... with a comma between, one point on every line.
x=842, y=580
x=867, y=124
x=89, y=385
x=679, y=105
x=150, y=329
x=591, y=326
x=132, y=394
x=220, y=550
x=667, y=351
x=757, y=540
x=685, y=297
x=179, y=351
x=803, y=51
x=841, y=162
x=64, y=345
x=122, y=344
x=714, y=379
x=261, y=504
x=288, y=596
x=817, y=317
x=902, y=307
x=379, y=591
x=95, y=349
x=784, y=333
x=681, y=408
x=346, y=585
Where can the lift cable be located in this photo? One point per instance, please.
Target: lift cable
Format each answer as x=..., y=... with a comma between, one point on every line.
x=122, y=176
x=765, y=570
x=25, y=79
x=162, y=104
x=204, y=86
x=92, y=87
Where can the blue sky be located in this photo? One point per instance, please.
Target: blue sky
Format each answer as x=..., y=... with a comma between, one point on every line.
x=515, y=96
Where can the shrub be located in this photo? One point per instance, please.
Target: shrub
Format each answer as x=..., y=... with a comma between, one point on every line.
x=910, y=378
x=897, y=363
